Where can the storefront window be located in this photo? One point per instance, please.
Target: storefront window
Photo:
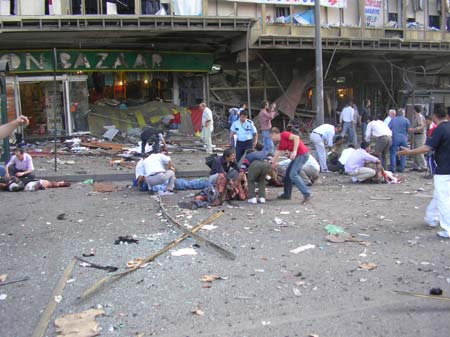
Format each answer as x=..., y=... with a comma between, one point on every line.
x=79, y=105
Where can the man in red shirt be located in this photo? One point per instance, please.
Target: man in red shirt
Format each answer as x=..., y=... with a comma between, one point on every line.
x=299, y=154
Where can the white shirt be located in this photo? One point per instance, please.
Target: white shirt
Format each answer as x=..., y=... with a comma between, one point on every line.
x=327, y=132
x=345, y=155
x=347, y=114
x=313, y=163
x=207, y=116
x=140, y=171
x=155, y=163
x=377, y=129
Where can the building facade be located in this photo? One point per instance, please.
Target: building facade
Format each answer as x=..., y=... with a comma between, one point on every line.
x=67, y=55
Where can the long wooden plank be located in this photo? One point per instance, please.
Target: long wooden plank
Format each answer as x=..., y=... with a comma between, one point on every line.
x=41, y=327
x=99, y=284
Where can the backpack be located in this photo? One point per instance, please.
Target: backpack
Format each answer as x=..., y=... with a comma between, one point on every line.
x=209, y=161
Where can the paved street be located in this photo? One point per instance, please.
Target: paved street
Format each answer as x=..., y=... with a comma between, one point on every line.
x=266, y=291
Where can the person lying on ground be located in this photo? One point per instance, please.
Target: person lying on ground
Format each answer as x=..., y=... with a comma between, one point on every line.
x=42, y=184
x=333, y=157
x=7, y=129
x=225, y=164
x=309, y=173
x=21, y=166
x=357, y=165
x=158, y=169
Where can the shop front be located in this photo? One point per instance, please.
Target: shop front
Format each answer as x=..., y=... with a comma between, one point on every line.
x=63, y=95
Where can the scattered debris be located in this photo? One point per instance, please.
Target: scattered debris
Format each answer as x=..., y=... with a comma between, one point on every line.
x=3, y=277
x=61, y=216
x=297, y=292
x=14, y=281
x=105, y=187
x=184, y=252
x=279, y=222
x=90, y=254
x=368, y=266
x=3, y=297
x=436, y=291
x=89, y=264
x=58, y=298
x=209, y=227
x=125, y=239
x=375, y=197
x=81, y=324
x=266, y=323
x=407, y=293
x=137, y=263
x=88, y=182
x=198, y=312
x=302, y=248
x=211, y=278
x=335, y=230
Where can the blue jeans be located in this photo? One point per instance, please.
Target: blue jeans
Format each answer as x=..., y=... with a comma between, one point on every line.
x=363, y=129
x=293, y=177
x=349, y=129
x=396, y=143
x=267, y=140
x=2, y=171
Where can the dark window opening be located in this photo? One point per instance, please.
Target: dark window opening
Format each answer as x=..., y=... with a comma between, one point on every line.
x=434, y=21
x=282, y=11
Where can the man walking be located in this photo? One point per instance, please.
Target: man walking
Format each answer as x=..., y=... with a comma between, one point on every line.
x=299, y=154
x=347, y=120
x=418, y=132
x=382, y=134
x=265, y=120
x=438, y=211
x=322, y=137
x=246, y=134
x=207, y=126
x=399, y=126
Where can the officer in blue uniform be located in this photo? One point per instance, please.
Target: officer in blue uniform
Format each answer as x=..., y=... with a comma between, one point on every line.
x=245, y=132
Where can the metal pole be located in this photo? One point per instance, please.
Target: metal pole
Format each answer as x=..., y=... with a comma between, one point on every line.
x=247, y=67
x=319, y=65
x=4, y=69
x=54, y=107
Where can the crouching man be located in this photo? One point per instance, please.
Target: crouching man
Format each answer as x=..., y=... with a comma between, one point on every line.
x=20, y=166
x=356, y=165
x=158, y=169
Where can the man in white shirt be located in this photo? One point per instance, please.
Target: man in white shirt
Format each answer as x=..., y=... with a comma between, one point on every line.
x=355, y=166
x=322, y=137
x=347, y=120
x=207, y=126
x=391, y=114
x=158, y=169
x=310, y=171
x=383, y=138
x=346, y=154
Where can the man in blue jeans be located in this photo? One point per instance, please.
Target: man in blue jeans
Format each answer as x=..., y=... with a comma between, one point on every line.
x=299, y=154
x=399, y=126
x=266, y=115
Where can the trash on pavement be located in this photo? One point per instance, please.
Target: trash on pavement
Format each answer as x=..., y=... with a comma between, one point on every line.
x=279, y=222
x=3, y=297
x=137, y=262
x=61, y=216
x=105, y=187
x=302, y=248
x=58, y=299
x=209, y=227
x=184, y=252
x=125, y=239
x=3, y=277
x=91, y=253
x=368, y=266
x=211, y=278
x=88, y=264
x=334, y=230
x=81, y=324
x=297, y=292
x=88, y=181
x=436, y=291
x=198, y=312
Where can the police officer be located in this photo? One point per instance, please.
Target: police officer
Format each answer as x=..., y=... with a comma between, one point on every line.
x=246, y=133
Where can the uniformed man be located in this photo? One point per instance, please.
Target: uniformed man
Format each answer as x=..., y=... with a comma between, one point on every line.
x=246, y=134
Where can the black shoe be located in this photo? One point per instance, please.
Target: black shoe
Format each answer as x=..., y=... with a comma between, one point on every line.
x=413, y=169
x=284, y=197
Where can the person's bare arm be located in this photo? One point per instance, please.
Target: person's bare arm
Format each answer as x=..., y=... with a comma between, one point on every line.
x=420, y=150
x=170, y=166
x=296, y=140
x=232, y=133
x=255, y=139
x=24, y=173
x=7, y=129
x=275, y=159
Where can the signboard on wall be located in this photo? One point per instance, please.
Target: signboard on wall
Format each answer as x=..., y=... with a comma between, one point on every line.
x=372, y=12
x=324, y=3
x=41, y=61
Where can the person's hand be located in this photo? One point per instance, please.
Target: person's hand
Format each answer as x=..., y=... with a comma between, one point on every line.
x=404, y=152
x=19, y=174
x=293, y=155
x=22, y=120
x=411, y=129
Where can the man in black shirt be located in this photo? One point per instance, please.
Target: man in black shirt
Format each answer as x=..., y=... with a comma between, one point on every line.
x=365, y=116
x=438, y=211
x=151, y=135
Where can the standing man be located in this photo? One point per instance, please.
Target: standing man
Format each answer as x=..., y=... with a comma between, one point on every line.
x=322, y=137
x=299, y=154
x=391, y=114
x=399, y=126
x=234, y=116
x=265, y=120
x=365, y=116
x=207, y=126
x=247, y=135
x=347, y=120
x=438, y=211
x=382, y=134
x=418, y=132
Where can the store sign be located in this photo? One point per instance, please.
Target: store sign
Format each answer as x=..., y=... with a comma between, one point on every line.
x=324, y=3
x=372, y=11
x=105, y=60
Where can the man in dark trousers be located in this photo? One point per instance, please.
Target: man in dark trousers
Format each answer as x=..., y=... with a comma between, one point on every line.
x=152, y=136
x=247, y=135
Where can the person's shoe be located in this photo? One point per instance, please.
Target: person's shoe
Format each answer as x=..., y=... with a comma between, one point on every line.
x=432, y=223
x=413, y=169
x=421, y=170
x=252, y=201
x=284, y=197
x=443, y=234
x=325, y=171
x=306, y=199
x=262, y=200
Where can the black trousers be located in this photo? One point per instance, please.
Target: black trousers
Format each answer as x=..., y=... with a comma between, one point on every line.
x=241, y=147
